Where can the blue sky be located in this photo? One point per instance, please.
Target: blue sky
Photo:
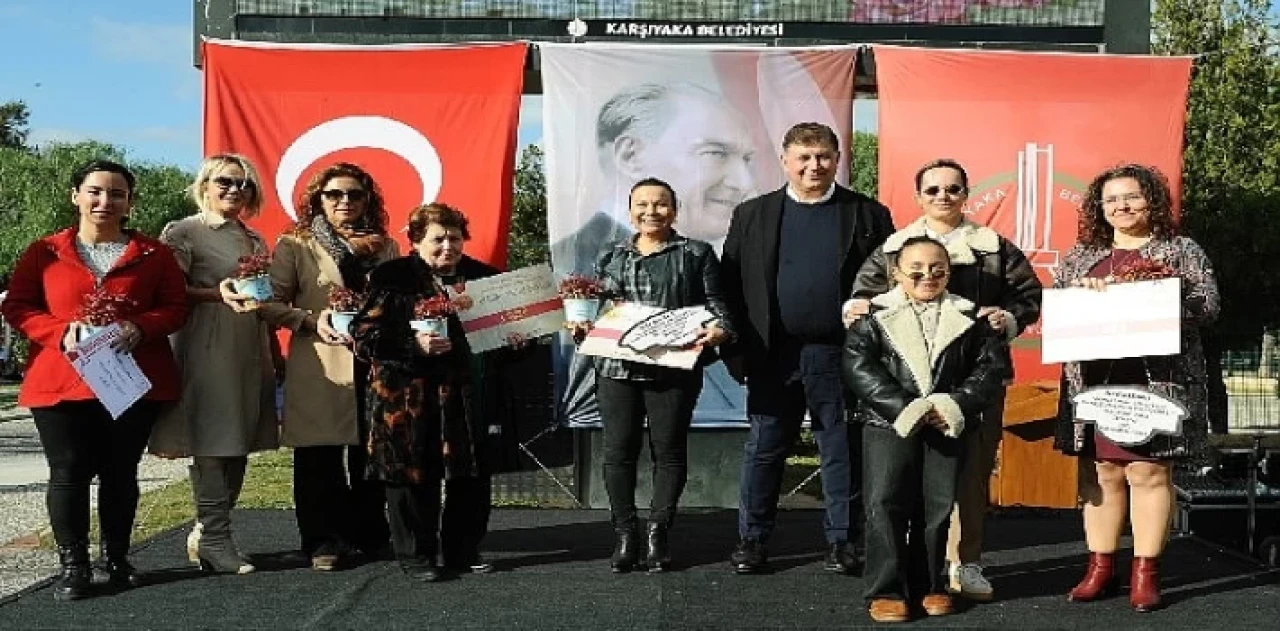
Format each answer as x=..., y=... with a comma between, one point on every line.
x=90, y=69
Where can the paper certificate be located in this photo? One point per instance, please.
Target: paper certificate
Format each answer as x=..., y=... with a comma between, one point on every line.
x=523, y=302
x=114, y=377
x=647, y=335
x=1141, y=319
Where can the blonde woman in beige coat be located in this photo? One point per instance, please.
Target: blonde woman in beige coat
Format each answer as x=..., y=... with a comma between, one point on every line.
x=225, y=353
x=341, y=236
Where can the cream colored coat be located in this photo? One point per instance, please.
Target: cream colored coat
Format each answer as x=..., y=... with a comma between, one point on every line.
x=319, y=386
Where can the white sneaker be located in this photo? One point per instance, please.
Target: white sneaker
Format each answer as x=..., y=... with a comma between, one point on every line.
x=193, y=543
x=967, y=581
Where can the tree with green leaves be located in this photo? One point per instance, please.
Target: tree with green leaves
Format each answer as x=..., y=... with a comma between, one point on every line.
x=864, y=165
x=529, y=241
x=1231, y=164
x=14, y=118
x=35, y=193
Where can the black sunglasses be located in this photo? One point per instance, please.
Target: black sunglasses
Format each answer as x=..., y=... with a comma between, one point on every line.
x=936, y=274
x=225, y=183
x=355, y=194
x=951, y=189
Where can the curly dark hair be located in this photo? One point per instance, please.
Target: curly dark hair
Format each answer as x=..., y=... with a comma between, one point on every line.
x=375, y=218
x=1093, y=227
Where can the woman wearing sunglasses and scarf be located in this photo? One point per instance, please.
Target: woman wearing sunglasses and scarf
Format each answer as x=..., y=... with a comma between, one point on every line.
x=994, y=274
x=226, y=355
x=340, y=237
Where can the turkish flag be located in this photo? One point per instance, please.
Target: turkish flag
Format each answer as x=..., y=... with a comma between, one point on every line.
x=428, y=122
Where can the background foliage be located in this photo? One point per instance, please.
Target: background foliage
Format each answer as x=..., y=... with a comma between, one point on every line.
x=35, y=187
x=1231, y=167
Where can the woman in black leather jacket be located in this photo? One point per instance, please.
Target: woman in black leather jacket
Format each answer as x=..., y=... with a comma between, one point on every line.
x=656, y=267
x=922, y=369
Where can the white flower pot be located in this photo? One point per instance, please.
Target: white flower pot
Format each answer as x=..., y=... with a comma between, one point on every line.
x=581, y=309
x=258, y=287
x=437, y=326
x=341, y=321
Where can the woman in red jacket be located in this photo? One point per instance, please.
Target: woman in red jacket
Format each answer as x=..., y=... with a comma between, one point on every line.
x=47, y=301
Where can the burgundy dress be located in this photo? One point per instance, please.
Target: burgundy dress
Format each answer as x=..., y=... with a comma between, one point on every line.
x=1128, y=372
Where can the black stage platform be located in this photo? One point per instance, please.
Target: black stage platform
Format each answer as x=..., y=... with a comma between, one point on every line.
x=552, y=573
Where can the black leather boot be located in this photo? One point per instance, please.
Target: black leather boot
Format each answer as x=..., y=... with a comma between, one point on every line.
x=657, y=555
x=76, y=577
x=626, y=551
x=113, y=559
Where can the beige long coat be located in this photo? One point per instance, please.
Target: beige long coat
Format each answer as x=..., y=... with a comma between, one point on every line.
x=319, y=386
x=228, y=383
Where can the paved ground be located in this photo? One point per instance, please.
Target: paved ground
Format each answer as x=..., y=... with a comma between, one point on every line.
x=23, y=475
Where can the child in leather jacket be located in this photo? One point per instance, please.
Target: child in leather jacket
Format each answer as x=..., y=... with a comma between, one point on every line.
x=921, y=370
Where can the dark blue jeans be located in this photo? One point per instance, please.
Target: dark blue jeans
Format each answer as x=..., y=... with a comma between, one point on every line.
x=808, y=377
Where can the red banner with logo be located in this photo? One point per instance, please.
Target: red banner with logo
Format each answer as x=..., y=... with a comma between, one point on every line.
x=1031, y=129
x=428, y=122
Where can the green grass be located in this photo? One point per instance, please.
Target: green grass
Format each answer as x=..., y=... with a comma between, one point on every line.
x=268, y=484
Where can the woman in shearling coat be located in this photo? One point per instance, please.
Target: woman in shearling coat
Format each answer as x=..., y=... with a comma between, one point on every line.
x=994, y=274
x=922, y=369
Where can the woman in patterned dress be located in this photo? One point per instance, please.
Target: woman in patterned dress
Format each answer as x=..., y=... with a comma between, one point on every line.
x=1127, y=220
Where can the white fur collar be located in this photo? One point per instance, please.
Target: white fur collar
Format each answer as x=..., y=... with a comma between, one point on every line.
x=903, y=330
x=969, y=238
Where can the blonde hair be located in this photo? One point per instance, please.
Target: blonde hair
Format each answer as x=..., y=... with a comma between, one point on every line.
x=215, y=163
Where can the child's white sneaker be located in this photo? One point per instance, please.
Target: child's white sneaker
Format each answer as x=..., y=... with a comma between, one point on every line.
x=967, y=581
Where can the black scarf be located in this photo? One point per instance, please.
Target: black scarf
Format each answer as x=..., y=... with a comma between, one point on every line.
x=354, y=267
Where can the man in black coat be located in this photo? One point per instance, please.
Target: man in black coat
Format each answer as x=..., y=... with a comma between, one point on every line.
x=789, y=262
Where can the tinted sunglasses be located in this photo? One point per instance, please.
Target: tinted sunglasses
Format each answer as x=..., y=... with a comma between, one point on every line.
x=951, y=189
x=225, y=183
x=355, y=194
x=937, y=274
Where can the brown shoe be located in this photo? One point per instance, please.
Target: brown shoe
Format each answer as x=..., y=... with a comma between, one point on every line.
x=888, y=610
x=938, y=605
x=325, y=562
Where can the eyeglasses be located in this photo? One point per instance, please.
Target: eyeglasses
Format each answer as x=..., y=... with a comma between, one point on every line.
x=950, y=189
x=354, y=194
x=226, y=183
x=1129, y=198
x=933, y=274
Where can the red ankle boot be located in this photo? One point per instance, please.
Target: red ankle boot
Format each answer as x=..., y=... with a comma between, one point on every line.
x=1099, y=579
x=1144, y=584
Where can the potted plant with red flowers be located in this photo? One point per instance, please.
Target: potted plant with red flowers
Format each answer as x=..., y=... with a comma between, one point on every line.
x=344, y=304
x=252, y=277
x=431, y=315
x=581, y=297
x=100, y=309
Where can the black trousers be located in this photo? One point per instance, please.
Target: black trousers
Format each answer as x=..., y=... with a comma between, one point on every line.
x=668, y=406
x=420, y=530
x=335, y=504
x=81, y=441
x=910, y=486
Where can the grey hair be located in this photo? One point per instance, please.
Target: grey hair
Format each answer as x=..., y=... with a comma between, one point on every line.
x=643, y=110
